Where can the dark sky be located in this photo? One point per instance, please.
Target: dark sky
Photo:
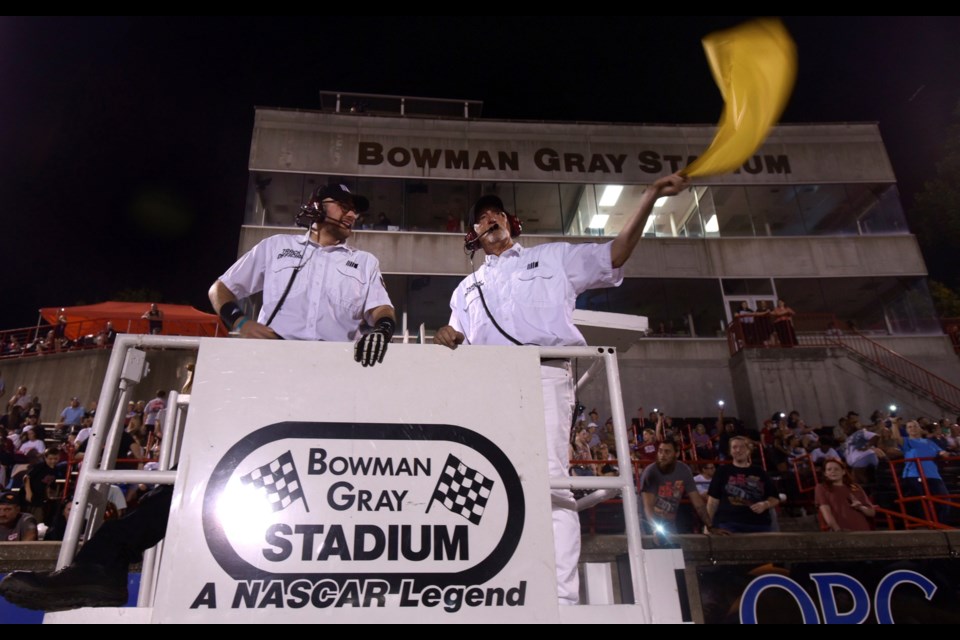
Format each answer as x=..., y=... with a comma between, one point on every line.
x=124, y=141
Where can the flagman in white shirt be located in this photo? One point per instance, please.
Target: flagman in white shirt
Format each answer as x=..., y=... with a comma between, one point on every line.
x=315, y=287
x=527, y=296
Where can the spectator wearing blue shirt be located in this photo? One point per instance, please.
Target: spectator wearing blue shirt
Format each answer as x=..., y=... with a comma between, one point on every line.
x=71, y=416
x=917, y=445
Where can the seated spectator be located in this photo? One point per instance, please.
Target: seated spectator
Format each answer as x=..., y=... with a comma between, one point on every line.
x=741, y=494
x=823, y=451
x=703, y=443
x=603, y=454
x=862, y=454
x=843, y=504
x=14, y=525
x=703, y=479
x=608, y=438
x=31, y=443
x=647, y=451
x=40, y=485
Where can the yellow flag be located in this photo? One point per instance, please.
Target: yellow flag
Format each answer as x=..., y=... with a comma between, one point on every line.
x=755, y=66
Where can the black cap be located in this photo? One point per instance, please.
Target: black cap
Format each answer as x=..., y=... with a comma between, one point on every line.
x=340, y=193
x=487, y=202
x=9, y=498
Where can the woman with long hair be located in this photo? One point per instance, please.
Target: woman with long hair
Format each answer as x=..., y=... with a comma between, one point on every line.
x=843, y=504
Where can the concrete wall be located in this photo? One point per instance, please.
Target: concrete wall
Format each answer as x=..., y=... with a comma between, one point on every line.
x=57, y=378
x=683, y=377
x=686, y=378
x=824, y=384
x=798, y=257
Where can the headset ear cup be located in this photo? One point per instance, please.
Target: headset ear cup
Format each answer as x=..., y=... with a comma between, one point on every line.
x=471, y=241
x=516, y=227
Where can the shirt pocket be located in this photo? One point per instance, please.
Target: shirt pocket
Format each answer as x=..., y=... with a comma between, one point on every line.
x=536, y=288
x=351, y=289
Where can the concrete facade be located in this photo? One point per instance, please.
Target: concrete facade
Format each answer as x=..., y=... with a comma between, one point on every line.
x=57, y=378
x=402, y=252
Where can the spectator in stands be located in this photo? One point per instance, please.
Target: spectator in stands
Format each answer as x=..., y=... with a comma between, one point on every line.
x=887, y=443
x=741, y=494
x=383, y=222
x=745, y=316
x=40, y=485
x=703, y=443
x=154, y=318
x=35, y=408
x=824, y=451
x=580, y=451
x=763, y=323
x=70, y=417
x=106, y=336
x=843, y=505
x=662, y=487
x=647, y=451
x=14, y=525
x=20, y=400
x=603, y=454
x=954, y=439
x=59, y=525
x=86, y=426
x=704, y=478
x=609, y=438
x=783, y=324
x=915, y=446
x=862, y=454
x=32, y=442
x=728, y=430
x=152, y=410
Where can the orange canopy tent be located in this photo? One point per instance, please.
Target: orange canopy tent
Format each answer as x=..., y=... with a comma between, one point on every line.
x=178, y=320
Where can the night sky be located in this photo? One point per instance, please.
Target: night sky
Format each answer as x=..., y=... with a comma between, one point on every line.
x=124, y=141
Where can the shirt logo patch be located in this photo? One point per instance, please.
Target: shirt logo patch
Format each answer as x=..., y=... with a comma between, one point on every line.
x=352, y=264
x=290, y=253
x=533, y=265
x=474, y=286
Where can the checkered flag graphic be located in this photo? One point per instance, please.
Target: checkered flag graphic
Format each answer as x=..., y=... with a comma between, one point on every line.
x=279, y=482
x=462, y=490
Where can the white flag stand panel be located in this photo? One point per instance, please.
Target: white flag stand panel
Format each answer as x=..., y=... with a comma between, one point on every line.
x=311, y=489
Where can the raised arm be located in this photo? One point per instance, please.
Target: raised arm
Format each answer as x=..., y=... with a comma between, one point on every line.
x=626, y=240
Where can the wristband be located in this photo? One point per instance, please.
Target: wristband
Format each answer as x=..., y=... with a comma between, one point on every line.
x=387, y=325
x=242, y=322
x=230, y=312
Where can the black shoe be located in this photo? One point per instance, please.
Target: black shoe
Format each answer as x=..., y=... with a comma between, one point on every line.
x=82, y=585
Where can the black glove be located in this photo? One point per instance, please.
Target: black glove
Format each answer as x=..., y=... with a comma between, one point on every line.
x=371, y=348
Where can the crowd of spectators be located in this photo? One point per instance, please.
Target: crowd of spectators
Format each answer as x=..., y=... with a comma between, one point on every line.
x=837, y=472
x=38, y=460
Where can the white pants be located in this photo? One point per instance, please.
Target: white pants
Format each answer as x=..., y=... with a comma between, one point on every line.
x=558, y=401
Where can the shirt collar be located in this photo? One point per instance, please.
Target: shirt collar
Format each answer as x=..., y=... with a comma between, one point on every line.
x=304, y=240
x=514, y=250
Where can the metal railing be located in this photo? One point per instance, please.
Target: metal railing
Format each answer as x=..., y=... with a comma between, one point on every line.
x=47, y=339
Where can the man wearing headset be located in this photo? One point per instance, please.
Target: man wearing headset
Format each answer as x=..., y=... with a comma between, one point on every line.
x=527, y=296
x=314, y=287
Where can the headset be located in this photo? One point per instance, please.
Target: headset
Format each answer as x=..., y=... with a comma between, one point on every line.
x=471, y=241
x=312, y=212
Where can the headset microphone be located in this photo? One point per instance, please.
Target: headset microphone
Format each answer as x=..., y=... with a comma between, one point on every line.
x=472, y=241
